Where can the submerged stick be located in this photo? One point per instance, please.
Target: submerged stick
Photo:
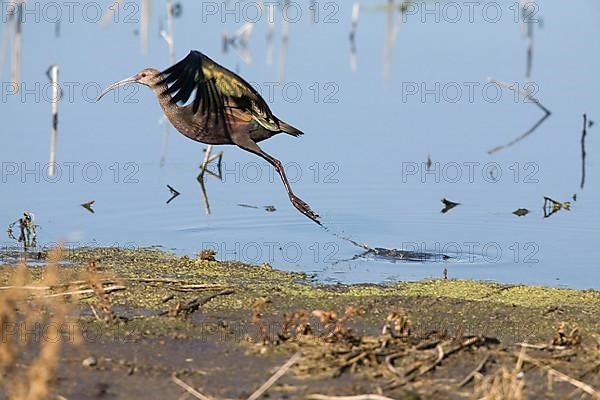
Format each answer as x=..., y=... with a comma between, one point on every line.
x=53, y=74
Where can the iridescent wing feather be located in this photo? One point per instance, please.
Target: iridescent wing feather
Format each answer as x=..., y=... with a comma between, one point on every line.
x=216, y=88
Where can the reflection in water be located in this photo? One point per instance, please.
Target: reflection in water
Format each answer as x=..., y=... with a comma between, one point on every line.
x=532, y=99
x=270, y=33
x=389, y=43
x=391, y=32
x=266, y=208
x=16, y=55
x=174, y=193
x=521, y=212
x=145, y=12
x=12, y=25
x=145, y=24
x=521, y=137
x=239, y=42
x=200, y=179
x=165, y=142
x=88, y=206
x=528, y=9
x=167, y=34
x=551, y=206
x=353, y=55
x=583, y=153
x=169, y=38
x=448, y=205
x=52, y=74
x=285, y=27
x=208, y=158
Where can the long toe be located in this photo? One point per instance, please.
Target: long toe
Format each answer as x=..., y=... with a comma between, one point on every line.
x=305, y=209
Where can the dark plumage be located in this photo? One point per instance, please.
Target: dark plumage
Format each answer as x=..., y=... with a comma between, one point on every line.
x=224, y=110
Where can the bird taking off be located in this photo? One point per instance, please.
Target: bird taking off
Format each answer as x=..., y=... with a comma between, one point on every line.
x=224, y=110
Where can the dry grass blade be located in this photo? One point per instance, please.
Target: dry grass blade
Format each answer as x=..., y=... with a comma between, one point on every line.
x=504, y=384
x=555, y=374
x=188, y=388
x=28, y=364
x=271, y=381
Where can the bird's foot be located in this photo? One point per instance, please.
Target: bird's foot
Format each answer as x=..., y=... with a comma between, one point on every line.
x=304, y=208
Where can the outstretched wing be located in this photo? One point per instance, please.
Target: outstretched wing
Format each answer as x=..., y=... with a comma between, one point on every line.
x=216, y=87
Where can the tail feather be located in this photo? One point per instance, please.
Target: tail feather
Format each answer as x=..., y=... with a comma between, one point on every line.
x=290, y=130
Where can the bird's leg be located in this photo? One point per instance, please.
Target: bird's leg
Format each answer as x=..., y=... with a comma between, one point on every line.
x=303, y=207
x=300, y=204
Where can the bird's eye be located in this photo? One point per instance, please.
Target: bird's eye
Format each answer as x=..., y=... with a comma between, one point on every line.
x=143, y=74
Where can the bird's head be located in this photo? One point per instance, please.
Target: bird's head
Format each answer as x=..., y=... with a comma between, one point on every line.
x=147, y=77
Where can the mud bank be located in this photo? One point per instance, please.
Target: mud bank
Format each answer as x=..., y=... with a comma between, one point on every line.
x=148, y=318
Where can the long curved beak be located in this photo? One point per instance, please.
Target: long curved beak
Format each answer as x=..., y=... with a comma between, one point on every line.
x=115, y=85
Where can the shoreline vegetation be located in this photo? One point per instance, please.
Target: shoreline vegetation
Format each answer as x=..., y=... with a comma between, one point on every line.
x=122, y=323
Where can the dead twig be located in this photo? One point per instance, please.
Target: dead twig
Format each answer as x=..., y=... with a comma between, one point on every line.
x=358, y=397
x=188, y=388
x=540, y=346
x=553, y=373
x=271, y=381
x=196, y=288
x=107, y=290
x=478, y=368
